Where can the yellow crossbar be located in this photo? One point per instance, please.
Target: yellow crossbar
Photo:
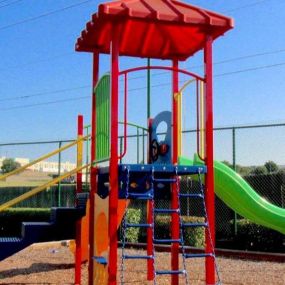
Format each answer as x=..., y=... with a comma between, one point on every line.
x=40, y=188
x=20, y=169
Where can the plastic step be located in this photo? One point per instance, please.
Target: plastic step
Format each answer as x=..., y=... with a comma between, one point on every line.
x=192, y=195
x=167, y=240
x=81, y=199
x=170, y=272
x=100, y=259
x=166, y=211
x=139, y=196
x=11, y=245
x=130, y=225
x=194, y=225
x=37, y=231
x=10, y=239
x=198, y=255
x=164, y=180
x=66, y=214
x=138, y=257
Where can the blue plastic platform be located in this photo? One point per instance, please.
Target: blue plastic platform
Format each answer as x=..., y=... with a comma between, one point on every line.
x=61, y=226
x=139, y=178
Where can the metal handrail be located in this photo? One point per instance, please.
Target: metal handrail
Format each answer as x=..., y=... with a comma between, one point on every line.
x=22, y=168
x=41, y=188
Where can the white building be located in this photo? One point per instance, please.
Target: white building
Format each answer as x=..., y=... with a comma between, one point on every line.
x=44, y=166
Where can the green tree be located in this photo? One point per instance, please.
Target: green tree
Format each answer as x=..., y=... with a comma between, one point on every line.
x=9, y=164
x=271, y=166
x=259, y=170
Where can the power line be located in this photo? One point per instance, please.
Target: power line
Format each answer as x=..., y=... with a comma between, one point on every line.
x=45, y=103
x=142, y=88
x=9, y=4
x=220, y=62
x=132, y=89
x=220, y=75
x=43, y=15
x=39, y=61
x=45, y=93
x=3, y=1
x=246, y=6
x=250, y=69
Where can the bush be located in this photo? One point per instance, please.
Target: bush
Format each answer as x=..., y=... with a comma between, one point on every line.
x=11, y=219
x=134, y=217
x=192, y=236
x=258, y=238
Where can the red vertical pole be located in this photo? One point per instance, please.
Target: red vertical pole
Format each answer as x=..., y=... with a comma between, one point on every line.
x=78, y=256
x=150, y=245
x=174, y=193
x=113, y=197
x=210, y=195
x=93, y=171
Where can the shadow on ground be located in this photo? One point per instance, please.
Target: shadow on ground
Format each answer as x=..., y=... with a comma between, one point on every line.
x=34, y=268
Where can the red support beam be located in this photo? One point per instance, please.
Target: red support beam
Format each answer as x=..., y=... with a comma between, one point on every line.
x=78, y=250
x=113, y=197
x=93, y=172
x=150, y=220
x=175, y=228
x=210, y=194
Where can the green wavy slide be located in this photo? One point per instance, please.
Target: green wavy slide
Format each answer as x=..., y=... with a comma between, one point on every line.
x=231, y=188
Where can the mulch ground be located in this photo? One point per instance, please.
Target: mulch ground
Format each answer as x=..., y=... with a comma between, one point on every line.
x=52, y=263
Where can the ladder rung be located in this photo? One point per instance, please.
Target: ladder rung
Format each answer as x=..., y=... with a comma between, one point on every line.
x=165, y=180
x=167, y=240
x=191, y=195
x=170, y=272
x=140, y=196
x=137, y=257
x=198, y=255
x=193, y=225
x=130, y=225
x=166, y=211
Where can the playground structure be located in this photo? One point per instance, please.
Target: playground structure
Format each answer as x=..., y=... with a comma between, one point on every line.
x=168, y=30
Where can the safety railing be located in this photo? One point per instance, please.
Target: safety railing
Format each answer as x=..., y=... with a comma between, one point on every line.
x=140, y=132
x=41, y=188
x=24, y=167
x=200, y=111
x=57, y=180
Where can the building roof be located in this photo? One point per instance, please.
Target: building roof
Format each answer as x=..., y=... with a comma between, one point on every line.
x=163, y=29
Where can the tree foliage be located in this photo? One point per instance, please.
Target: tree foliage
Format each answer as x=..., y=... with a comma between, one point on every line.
x=9, y=164
x=259, y=170
x=271, y=166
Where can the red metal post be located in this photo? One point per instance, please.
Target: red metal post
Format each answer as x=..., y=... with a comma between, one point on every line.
x=78, y=250
x=93, y=172
x=210, y=194
x=150, y=245
x=175, y=227
x=113, y=197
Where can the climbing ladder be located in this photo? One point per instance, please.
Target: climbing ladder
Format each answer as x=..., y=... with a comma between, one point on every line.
x=148, y=190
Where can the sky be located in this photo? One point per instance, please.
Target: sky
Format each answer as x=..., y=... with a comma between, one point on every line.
x=45, y=84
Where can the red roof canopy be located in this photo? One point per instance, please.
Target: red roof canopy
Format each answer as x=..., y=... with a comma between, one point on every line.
x=163, y=29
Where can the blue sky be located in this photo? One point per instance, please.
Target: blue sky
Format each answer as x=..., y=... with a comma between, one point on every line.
x=38, y=61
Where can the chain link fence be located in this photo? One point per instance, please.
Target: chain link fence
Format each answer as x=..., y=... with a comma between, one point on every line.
x=246, y=149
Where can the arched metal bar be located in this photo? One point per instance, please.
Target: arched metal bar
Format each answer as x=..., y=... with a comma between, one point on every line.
x=157, y=67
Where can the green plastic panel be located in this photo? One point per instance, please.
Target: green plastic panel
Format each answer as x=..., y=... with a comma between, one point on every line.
x=102, y=93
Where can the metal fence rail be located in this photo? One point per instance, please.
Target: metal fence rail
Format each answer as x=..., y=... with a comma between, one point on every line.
x=243, y=147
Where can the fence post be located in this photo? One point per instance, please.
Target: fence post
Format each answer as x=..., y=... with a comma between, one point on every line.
x=138, y=146
x=143, y=146
x=59, y=172
x=234, y=168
